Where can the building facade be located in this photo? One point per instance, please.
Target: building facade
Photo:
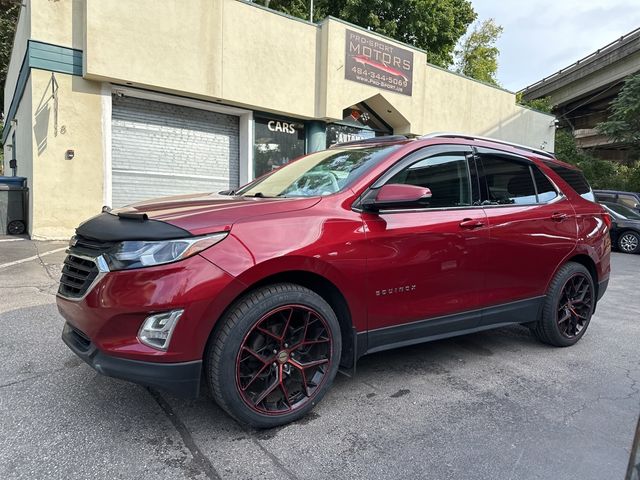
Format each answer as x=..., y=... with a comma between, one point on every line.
x=110, y=102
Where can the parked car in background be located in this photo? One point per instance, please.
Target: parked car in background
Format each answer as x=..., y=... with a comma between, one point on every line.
x=378, y=244
x=628, y=199
x=625, y=227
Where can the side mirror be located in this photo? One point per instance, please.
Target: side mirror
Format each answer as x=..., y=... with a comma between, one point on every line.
x=396, y=195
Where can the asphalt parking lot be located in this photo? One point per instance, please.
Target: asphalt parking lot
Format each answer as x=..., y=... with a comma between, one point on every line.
x=495, y=405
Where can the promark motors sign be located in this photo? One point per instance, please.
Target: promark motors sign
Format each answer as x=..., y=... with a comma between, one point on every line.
x=373, y=62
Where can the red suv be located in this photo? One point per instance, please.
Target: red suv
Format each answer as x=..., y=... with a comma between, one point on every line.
x=269, y=290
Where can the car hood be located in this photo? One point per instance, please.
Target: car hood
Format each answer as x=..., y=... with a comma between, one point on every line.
x=200, y=214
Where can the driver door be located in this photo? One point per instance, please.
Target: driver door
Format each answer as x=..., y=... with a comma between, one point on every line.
x=426, y=265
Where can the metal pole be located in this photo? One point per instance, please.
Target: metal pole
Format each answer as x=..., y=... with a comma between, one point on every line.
x=311, y=11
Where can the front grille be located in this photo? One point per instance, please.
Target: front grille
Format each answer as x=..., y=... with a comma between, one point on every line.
x=77, y=275
x=80, y=270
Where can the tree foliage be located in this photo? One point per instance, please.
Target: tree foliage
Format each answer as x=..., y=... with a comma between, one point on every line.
x=624, y=123
x=432, y=25
x=541, y=104
x=601, y=174
x=9, y=10
x=478, y=55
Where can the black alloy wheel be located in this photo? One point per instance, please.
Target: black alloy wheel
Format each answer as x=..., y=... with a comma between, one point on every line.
x=568, y=306
x=273, y=355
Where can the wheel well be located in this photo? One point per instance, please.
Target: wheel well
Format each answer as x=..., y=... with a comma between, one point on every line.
x=330, y=293
x=590, y=265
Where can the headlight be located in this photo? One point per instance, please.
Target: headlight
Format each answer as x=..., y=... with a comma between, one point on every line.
x=143, y=253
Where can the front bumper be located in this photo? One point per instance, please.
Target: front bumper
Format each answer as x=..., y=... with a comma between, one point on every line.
x=112, y=311
x=182, y=379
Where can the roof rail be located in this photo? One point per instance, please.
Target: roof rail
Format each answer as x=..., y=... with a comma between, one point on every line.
x=487, y=139
x=372, y=140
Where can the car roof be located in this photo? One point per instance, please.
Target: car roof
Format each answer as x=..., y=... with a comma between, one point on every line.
x=458, y=138
x=617, y=191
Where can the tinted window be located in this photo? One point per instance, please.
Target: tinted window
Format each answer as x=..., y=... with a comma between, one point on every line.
x=447, y=176
x=276, y=142
x=508, y=182
x=546, y=190
x=622, y=211
x=575, y=179
x=628, y=200
x=605, y=197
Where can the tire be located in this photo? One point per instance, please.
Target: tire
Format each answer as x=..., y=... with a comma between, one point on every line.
x=16, y=227
x=568, y=307
x=629, y=242
x=274, y=355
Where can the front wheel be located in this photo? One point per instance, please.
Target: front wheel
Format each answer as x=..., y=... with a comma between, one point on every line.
x=629, y=242
x=568, y=306
x=274, y=356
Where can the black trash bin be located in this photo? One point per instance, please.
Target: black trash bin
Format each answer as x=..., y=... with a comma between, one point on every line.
x=13, y=205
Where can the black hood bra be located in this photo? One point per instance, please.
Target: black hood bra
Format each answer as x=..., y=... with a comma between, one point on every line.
x=109, y=227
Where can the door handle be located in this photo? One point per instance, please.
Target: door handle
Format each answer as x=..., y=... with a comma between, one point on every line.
x=559, y=217
x=470, y=224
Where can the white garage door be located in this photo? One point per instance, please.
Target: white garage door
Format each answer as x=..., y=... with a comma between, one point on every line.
x=161, y=149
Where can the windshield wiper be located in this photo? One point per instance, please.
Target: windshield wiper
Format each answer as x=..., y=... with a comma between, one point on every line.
x=257, y=195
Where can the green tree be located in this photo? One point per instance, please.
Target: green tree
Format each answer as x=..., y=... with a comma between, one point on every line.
x=432, y=25
x=478, y=55
x=9, y=10
x=601, y=174
x=624, y=123
x=541, y=104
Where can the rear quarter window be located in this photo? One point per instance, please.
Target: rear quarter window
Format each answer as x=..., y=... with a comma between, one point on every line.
x=575, y=179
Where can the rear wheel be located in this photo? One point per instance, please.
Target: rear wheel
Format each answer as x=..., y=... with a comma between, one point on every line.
x=629, y=242
x=274, y=356
x=568, y=307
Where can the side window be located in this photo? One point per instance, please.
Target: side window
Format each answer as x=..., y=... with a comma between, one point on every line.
x=447, y=176
x=546, y=190
x=508, y=182
x=628, y=201
x=605, y=197
x=574, y=178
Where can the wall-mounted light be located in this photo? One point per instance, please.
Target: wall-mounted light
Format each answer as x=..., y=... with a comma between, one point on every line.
x=69, y=154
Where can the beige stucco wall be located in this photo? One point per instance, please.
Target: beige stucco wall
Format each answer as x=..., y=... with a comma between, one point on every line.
x=65, y=192
x=239, y=54
x=59, y=22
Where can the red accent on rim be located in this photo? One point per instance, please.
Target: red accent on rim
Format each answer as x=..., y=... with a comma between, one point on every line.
x=284, y=359
x=575, y=305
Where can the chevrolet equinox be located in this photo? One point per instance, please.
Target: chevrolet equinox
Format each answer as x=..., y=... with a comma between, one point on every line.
x=266, y=291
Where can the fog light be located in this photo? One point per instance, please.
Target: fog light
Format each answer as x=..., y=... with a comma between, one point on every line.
x=157, y=329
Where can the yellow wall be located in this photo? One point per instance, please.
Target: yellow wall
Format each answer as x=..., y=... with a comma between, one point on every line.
x=239, y=54
x=60, y=22
x=65, y=192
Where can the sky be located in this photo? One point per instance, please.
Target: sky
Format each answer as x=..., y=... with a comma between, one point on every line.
x=542, y=36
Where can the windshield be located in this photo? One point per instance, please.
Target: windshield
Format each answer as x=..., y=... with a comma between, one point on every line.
x=321, y=173
x=622, y=211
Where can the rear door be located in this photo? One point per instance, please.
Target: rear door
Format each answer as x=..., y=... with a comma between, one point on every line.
x=532, y=228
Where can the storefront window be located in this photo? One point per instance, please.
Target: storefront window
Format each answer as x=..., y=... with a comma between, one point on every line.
x=358, y=123
x=277, y=141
